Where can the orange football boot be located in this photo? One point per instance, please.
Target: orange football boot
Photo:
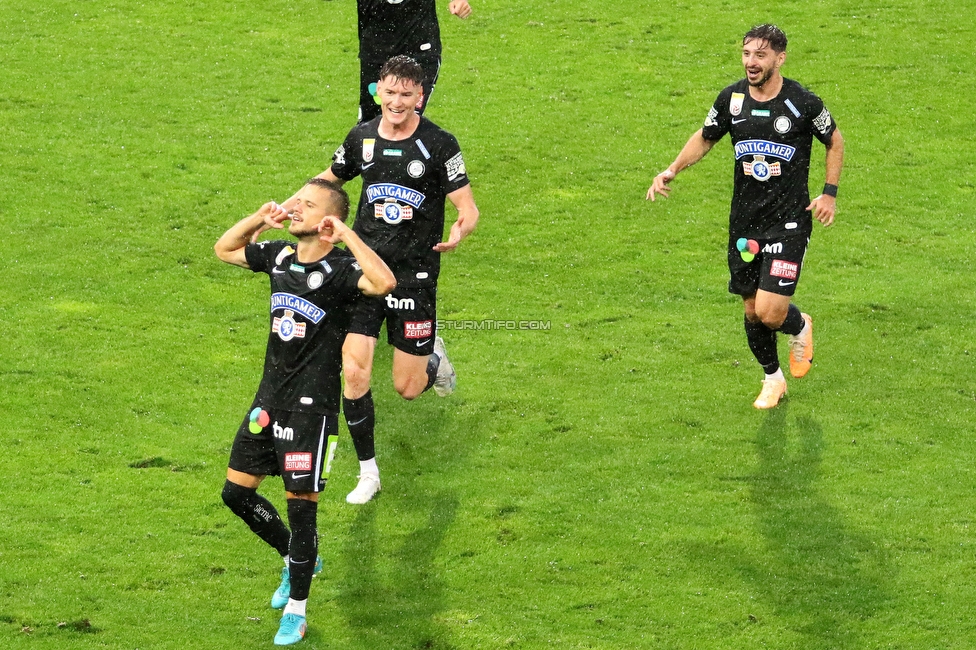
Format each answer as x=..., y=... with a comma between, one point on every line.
x=801, y=349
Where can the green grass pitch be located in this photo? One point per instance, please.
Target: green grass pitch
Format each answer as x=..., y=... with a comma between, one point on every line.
x=602, y=482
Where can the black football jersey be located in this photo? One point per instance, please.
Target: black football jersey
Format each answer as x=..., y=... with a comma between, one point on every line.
x=389, y=27
x=771, y=141
x=405, y=184
x=311, y=305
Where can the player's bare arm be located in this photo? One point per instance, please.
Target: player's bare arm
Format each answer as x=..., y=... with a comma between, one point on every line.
x=460, y=8
x=694, y=150
x=467, y=221
x=230, y=247
x=377, y=279
x=824, y=207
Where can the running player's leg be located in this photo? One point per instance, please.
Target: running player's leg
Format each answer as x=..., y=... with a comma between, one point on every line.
x=413, y=374
x=780, y=274
x=419, y=358
x=360, y=413
x=744, y=279
x=357, y=398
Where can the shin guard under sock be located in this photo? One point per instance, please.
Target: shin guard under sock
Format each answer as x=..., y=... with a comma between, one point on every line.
x=304, y=546
x=361, y=419
x=258, y=513
x=762, y=342
x=793, y=323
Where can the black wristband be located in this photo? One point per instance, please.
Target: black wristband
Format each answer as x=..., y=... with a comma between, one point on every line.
x=830, y=190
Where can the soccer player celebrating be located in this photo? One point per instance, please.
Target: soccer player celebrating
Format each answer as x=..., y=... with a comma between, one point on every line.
x=293, y=422
x=409, y=167
x=391, y=27
x=772, y=121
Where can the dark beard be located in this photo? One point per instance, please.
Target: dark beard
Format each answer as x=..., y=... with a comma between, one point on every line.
x=762, y=80
x=302, y=234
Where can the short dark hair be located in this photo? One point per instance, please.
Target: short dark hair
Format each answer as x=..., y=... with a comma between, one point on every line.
x=338, y=199
x=771, y=34
x=403, y=68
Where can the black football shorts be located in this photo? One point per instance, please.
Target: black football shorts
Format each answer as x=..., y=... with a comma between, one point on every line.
x=775, y=268
x=410, y=315
x=296, y=446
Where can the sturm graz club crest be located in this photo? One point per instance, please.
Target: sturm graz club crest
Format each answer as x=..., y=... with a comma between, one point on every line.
x=287, y=327
x=415, y=169
x=760, y=169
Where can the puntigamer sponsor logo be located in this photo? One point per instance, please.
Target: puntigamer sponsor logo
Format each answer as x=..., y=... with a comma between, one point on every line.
x=764, y=148
x=383, y=191
x=300, y=305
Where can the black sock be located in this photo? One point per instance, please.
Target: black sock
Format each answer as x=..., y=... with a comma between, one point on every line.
x=258, y=513
x=304, y=546
x=433, y=361
x=361, y=420
x=762, y=342
x=793, y=323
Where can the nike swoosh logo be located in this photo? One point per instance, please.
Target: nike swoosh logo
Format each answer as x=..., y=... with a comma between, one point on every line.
x=277, y=270
x=425, y=341
x=352, y=424
x=297, y=476
x=738, y=121
x=785, y=284
x=369, y=165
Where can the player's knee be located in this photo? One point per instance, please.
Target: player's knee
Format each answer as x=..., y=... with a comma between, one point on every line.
x=772, y=318
x=357, y=376
x=235, y=496
x=408, y=388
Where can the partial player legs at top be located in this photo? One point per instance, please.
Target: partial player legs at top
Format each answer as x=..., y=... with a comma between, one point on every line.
x=369, y=106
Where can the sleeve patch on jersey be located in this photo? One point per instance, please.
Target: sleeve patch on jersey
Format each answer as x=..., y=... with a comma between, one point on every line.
x=455, y=167
x=710, y=118
x=285, y=252
x=822, y=121
x=792, y=108
x=339, y=157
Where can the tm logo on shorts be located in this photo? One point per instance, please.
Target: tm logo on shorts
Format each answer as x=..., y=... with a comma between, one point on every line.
x=418, y=329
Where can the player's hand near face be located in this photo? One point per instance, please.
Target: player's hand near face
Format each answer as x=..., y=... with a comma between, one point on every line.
x=460, y=8
x=272, y=214
x=824, y=207
x=332, y=230
x=660, y=184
